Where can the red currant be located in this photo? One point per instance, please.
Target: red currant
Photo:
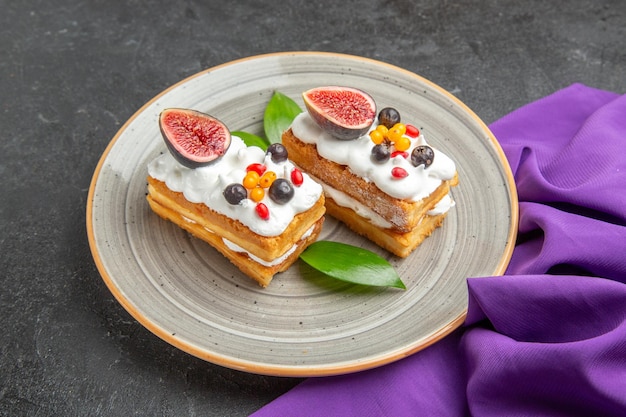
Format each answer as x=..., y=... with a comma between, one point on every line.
x=262, y=211
x=399, y=172
x=258, y=168
x=400, y=153
x=296, y=177
x=412, y=131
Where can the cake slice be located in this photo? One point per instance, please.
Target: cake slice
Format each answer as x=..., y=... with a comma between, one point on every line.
x=395, y=192
x=254, y=207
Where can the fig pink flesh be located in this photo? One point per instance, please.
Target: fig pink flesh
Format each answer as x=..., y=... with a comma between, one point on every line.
x=194, y=135
x=345, y=106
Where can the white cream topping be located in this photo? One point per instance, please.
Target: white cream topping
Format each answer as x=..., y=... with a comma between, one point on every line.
x=206, y=185
x=356, y=155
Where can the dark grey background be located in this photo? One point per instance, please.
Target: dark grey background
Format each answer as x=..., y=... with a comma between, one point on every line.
x=72, y=72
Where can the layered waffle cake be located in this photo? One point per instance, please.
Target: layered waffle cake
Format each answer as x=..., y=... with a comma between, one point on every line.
x=255, y=207
x=388, y=184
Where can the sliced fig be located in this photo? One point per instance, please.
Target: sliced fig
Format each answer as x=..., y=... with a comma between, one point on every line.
x=195, y=139
x=344, y=112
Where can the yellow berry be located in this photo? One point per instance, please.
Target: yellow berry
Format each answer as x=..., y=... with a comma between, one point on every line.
x=251, y=180
x=267, y=179
x=382, y=129
x=377, y=137
x=402, y=144
x=401, y=127
x=395, y=133
x=257, y=194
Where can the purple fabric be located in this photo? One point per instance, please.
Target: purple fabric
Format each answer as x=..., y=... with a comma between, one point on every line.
x=548, y=338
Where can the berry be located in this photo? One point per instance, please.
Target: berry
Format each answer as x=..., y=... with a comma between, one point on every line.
x=278, y=152
x=382, y=129
x=403, y=154
x=401, y=127
x=235, y=193
x=412, y=131
x=281, y=191
x=267, y=179
x=258, y=168
x=377, y=137
x=399, y=172
x=296, y=177
x=388, y=117
x=251, y=180
x=402, y=144
x=262, y=211
x=257, y=194
x=422, y=155
x=396, y=132
x=380, y=153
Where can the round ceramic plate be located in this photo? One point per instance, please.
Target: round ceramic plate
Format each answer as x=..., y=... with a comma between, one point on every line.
x=301, y=325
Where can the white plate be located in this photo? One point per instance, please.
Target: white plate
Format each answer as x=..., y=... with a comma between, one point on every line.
x=189, y=295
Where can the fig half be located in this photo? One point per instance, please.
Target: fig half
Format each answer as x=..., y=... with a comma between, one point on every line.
x=344, y=112
x=195, y=139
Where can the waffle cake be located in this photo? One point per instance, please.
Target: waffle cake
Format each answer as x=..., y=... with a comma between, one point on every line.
x=254, y=207
x=396, y=200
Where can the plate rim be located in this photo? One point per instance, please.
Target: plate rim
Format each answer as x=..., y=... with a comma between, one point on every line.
x=298, y=370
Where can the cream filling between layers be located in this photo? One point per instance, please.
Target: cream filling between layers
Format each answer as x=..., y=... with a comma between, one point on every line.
x=443, y=206
x=236, y=248
x=344, y=200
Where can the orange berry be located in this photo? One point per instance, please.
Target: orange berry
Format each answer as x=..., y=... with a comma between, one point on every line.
x=395, y=133
x=257, y=194
x=402, y=144
x=267, y=179
x=382, y=129
x=251, y=180
x=401, y=127
x=377, y=137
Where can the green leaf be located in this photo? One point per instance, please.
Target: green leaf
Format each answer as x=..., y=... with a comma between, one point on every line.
x=279, y=113
x=252, y=140
x=352, y=264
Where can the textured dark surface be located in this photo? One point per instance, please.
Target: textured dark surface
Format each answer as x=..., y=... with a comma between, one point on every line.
x=71, y=73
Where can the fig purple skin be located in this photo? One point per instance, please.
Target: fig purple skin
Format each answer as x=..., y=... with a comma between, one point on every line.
x=344, y=112
x=193, y=138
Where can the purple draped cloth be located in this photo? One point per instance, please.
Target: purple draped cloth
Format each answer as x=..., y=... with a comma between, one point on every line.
x=549, y=337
